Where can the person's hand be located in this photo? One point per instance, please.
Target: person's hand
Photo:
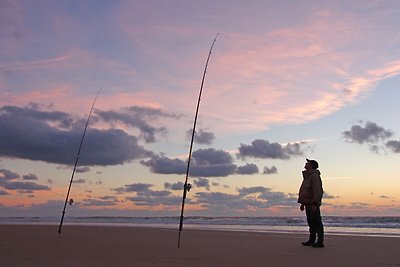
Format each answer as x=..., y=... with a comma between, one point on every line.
x=302, y=207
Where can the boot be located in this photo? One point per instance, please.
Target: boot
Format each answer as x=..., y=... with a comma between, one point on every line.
x=310, y=242
x=318, y=245
x=320, y=240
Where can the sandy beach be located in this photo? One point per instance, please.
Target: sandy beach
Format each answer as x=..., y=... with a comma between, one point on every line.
x=40, y=245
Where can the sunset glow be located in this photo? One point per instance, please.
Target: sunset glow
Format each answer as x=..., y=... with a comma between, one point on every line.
x=325, y=72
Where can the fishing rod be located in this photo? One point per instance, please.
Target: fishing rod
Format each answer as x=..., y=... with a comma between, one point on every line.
x=187, y=186
x=76, y=163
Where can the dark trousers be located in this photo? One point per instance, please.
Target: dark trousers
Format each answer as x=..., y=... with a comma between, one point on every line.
x=314, y=221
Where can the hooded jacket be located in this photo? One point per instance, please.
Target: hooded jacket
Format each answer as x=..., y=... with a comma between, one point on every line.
x=311, y=191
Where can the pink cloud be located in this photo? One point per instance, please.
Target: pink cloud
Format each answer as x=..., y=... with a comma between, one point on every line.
x=254, y=79
x=49, y=62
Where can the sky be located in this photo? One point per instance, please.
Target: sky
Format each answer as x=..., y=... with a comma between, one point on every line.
x=286, y=81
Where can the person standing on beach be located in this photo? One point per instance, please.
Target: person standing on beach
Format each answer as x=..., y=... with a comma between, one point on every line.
x=310, y=197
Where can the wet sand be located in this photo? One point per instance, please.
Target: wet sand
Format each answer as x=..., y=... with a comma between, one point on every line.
x=40, y=245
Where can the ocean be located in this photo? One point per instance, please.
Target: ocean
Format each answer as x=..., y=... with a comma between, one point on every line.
x=337, y=225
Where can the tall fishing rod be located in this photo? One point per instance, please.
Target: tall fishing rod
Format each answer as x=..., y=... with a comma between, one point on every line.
x=76, y=163
x=187, y=186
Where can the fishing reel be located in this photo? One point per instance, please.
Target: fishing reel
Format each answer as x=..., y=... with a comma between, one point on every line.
x=187, y=187
x=70, y=201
